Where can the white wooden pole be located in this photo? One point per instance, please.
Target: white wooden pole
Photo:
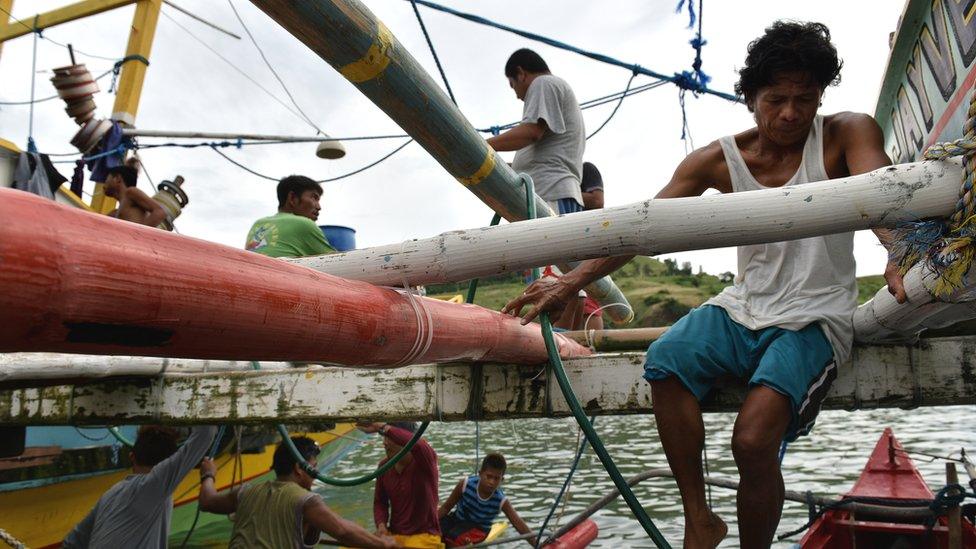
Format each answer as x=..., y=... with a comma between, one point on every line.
x=47, y=366
x=884, y=319
x=882, y=198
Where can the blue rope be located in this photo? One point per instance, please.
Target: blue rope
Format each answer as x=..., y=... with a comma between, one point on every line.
x=562, y=491
x=433, y=52
x=683, y=83
x=691, y=11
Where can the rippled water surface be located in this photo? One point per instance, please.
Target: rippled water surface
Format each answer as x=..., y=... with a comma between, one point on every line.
x=540, y=452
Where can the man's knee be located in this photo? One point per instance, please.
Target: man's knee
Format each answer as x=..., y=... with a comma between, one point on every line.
x=752, y=446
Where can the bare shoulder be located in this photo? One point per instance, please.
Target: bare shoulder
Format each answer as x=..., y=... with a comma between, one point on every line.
x=847, y=124
x=703, y=162
x=703, y=169
x=135, y=193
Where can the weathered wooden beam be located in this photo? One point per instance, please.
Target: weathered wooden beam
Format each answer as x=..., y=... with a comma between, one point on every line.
x=882, y=319
x=932, y=373
x=882, y=198
x=347, y=35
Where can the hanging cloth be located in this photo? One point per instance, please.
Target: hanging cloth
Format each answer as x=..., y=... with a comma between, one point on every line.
x=36, y=174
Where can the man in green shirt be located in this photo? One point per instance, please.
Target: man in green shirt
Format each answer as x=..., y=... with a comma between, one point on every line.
x=292, y=231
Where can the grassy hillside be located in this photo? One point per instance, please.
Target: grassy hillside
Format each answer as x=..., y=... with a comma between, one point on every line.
x=660, y=291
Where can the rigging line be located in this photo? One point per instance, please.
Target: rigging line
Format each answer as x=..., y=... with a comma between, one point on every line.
x=368, y=166
x=433, y=52
x=55, y=42
x=592, y=103
x=234, y=66
x=615, y=95
x=615, y=109
x=271, y=67
x=215, y=149
x=678, y=79
x=30, y=119
x=242, y=166
x=49, y=98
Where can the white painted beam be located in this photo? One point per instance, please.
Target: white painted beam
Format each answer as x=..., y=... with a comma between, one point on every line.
x=882, y=319
x=932, y=373
x=882, y=198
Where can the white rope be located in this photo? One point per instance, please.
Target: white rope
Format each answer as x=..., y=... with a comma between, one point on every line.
x=590, y=334
x=425, y=334
x=10, y=540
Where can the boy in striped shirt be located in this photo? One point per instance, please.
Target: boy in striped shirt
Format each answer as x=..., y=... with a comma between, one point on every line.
x=469, y=511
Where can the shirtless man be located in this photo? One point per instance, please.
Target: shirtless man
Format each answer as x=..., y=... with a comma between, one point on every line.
x=134, y=205
x=787, y=321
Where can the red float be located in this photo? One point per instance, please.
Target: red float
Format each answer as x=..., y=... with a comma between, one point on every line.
x=580, y=536
x=72, y=281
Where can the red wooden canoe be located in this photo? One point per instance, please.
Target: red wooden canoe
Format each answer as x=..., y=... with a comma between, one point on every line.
x=72, y=281
x=890, y=475
x=580, y=536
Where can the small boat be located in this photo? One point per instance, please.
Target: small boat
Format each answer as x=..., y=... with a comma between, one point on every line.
x=889, y=476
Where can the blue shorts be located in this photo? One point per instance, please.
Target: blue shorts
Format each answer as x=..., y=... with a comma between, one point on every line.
x=565, y=206
x=706, y=345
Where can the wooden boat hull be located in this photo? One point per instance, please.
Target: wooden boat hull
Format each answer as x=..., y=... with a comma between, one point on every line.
x=92, y=284
x=890, y=475
x=43, y=515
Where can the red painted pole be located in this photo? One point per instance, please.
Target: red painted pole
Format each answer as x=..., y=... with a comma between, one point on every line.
x=72, y=281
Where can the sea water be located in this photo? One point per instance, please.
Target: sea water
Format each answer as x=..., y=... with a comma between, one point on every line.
x=540, y=452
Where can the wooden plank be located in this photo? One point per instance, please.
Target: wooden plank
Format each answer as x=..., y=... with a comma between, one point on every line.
x=882, y=198
x=71, y=12
x=349, y=37
x=936, y=372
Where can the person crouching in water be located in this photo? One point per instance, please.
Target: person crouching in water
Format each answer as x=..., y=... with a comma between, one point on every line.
x=467, y=514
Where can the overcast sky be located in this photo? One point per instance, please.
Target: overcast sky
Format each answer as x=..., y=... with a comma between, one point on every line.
x=409, y=196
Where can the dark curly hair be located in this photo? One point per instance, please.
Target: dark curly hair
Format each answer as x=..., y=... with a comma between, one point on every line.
x=789, y=46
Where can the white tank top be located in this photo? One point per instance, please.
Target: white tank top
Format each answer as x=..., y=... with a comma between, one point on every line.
x=792, y=284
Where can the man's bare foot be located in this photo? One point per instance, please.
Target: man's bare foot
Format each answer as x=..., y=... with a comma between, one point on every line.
x=706, y=533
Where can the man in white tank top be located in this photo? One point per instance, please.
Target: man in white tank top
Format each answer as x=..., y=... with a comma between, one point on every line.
x=787, y=321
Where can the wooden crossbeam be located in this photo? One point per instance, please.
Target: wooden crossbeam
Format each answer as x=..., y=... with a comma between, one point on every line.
x=933, y=373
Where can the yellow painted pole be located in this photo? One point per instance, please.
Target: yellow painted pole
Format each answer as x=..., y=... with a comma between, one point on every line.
x=71, y=12
x=8, y=7
x=130, y=81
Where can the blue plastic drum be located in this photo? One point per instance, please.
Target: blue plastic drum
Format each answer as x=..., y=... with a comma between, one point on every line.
x=342, y=238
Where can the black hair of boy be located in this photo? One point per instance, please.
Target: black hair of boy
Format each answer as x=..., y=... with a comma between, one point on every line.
x=494, y=461
x=128, y=174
